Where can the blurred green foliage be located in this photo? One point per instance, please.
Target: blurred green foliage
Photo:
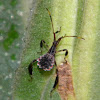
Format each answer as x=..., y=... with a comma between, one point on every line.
x=12, y=35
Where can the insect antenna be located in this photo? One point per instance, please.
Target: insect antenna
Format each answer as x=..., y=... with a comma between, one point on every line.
x=51, y=23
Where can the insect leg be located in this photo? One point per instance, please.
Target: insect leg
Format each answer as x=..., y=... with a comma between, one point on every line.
x=55, y=63
x=66, y=53
x=41, y=45
x=43, y=42
x=55, y=84
x=30, y=68
x=68, y=36
x=58, y=31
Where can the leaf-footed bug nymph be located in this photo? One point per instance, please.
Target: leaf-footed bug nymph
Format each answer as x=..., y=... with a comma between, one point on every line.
x=47, y=61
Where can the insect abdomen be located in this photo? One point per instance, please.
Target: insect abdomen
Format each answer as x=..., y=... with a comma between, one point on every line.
x=46, y=62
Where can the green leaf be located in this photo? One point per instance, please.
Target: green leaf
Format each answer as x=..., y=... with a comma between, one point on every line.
x=86, y=54
x=79, y=18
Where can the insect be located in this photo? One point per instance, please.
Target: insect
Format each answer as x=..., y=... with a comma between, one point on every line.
x=47, y=61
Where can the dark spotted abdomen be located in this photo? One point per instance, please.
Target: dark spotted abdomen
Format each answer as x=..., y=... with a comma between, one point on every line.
x=46, y=62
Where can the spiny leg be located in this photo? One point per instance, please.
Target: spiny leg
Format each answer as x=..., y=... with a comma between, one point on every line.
x=30, y=68
x=74, y=36
x=43, y=42
x=41, y=45
x=68, y=36
x=56, y=80
x=58, y=31
x=66, y=53
x=55, y=84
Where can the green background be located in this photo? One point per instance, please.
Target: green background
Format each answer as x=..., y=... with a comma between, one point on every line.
x=22, y=22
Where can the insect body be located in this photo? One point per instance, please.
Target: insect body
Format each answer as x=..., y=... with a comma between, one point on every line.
x=47, y=61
